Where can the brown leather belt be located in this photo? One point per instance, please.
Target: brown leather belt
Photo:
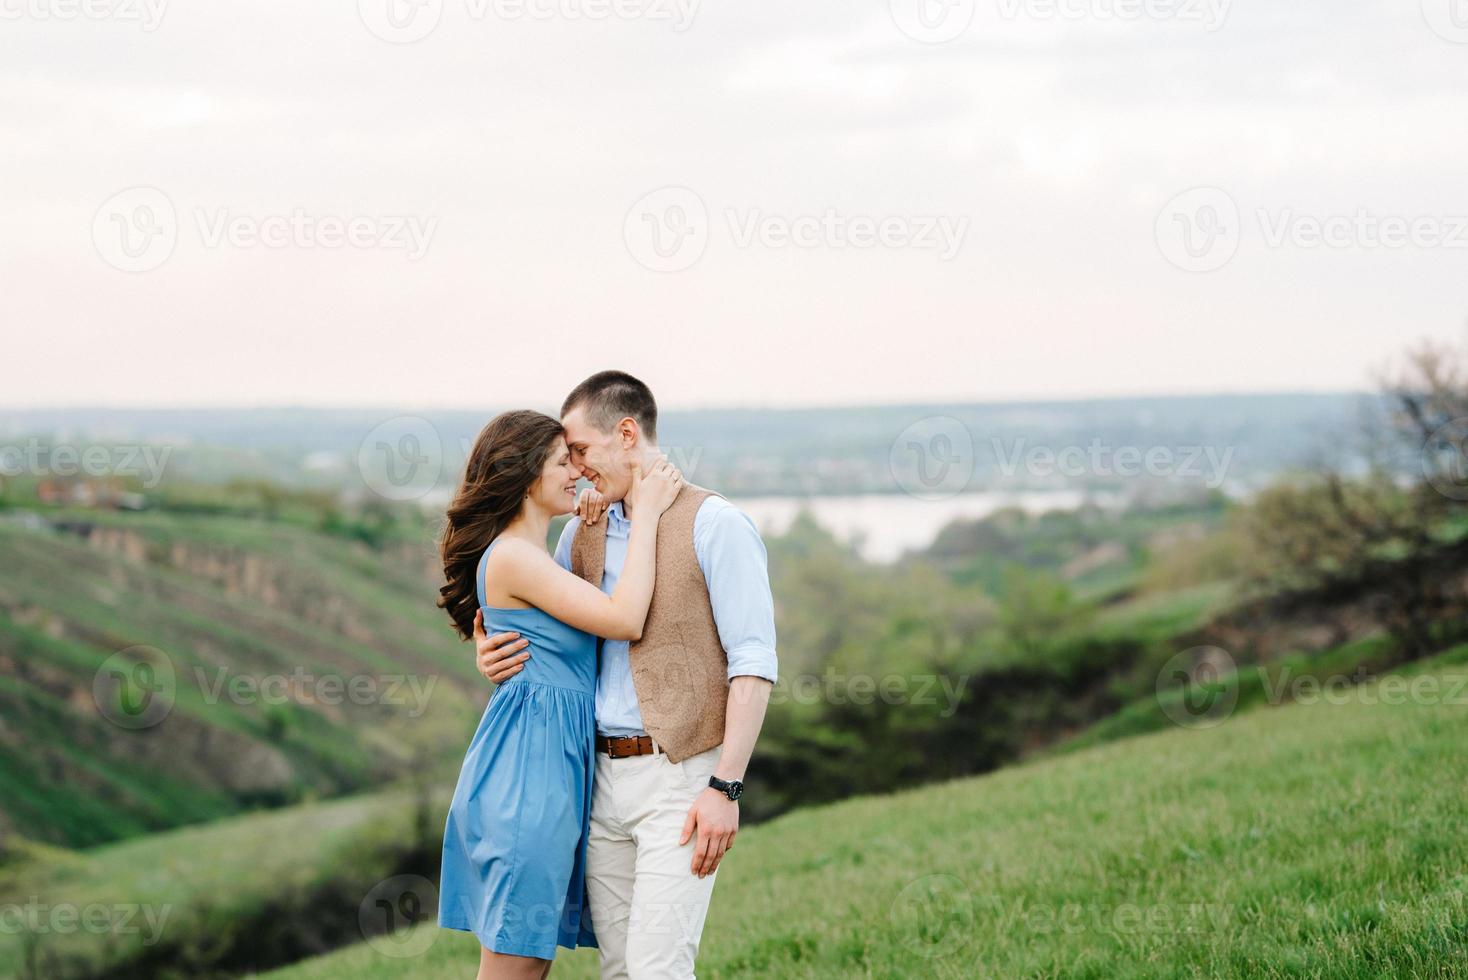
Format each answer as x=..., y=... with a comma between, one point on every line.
x=623, y=747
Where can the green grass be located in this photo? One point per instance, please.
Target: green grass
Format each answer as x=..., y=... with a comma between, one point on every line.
x=1292, y=677
x=1163, y=615
x=231, y=597
x=1322, y=840
x=204, y=887
x=225, y=598
x=1307, y=841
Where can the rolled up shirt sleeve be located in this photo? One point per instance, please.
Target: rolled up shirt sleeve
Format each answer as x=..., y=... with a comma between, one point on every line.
x=735, y=567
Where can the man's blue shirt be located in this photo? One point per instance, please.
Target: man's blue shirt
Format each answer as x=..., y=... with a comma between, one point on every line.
x=736, y=570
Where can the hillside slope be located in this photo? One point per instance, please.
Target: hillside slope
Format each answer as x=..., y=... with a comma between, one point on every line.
x=289, y=664
x=214, y=899
x=1323, y=840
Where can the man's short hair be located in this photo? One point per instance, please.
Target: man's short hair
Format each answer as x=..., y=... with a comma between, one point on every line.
x=608, y=397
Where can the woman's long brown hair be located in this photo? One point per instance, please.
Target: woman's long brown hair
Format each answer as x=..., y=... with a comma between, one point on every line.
x=507, y=459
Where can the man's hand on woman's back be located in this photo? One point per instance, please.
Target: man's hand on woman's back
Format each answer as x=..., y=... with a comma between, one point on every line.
x=501, y=656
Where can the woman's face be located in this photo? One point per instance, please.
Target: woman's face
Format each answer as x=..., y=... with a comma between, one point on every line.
x=555, y=491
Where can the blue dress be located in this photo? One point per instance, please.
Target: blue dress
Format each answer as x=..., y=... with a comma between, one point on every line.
x=514, y=849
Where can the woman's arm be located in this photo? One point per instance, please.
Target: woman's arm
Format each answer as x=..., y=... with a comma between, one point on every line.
x=532, y=576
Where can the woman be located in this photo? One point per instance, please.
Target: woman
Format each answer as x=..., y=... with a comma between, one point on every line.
x=514, y=848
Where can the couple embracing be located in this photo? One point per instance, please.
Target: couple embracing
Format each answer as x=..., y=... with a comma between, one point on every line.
x=600, y=792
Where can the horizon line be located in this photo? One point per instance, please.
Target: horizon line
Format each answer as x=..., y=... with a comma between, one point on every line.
x=683, y=409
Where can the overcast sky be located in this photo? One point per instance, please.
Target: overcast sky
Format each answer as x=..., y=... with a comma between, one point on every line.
x=463, y=202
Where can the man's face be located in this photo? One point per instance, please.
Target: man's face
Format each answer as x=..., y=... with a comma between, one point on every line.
x=603, y=457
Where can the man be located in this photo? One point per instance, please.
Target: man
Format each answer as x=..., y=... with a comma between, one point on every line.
x=678, y=711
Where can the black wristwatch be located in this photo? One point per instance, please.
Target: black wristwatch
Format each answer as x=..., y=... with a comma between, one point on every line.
x=732, y=789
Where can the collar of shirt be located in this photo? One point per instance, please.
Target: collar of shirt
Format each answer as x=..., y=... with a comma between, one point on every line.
x=615, y=513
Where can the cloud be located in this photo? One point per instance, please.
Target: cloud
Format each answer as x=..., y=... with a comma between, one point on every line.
x=1058, y=138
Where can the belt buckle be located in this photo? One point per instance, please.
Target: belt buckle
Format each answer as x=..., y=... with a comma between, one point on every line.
x=629, y=746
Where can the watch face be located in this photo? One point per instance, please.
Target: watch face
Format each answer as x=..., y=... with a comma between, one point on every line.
x=736, y=790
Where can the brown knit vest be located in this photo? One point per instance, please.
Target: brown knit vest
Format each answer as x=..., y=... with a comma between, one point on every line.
x=679, y=668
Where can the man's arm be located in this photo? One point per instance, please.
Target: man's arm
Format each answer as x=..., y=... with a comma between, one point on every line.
x=498, y=657
x=745, y=716
x=736, y=571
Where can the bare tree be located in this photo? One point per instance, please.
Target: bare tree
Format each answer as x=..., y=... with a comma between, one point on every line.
x=1393, y=533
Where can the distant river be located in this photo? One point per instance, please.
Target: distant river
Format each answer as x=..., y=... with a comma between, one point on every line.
x=893, y=523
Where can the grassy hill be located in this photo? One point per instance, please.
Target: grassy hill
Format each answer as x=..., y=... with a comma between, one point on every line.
x=211, y=900
x=224, y=589
x=360, y=675
x=1174, y=853
x=1322, y=840
x=215, y=601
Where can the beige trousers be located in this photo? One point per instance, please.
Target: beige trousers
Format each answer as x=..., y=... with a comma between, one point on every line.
x=647, y=907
